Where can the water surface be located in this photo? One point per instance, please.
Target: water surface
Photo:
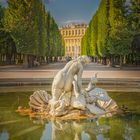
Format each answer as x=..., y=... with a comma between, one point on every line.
x=119, y=127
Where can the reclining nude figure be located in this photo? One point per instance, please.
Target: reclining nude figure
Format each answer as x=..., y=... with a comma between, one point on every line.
x=69, y=99
x=62, y=82
x=92, y=100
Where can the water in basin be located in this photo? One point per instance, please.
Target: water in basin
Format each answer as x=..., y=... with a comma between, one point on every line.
x=119, y=127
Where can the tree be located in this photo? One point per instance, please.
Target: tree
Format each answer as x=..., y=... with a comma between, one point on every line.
x=55, y=42
x=95, y=39
x=134, y=19
x=94, y=35
x=102, y=27
x=120, y=37
x=34, y=31
x=7, y=45
x=120, y=41
x=113, y=30
x=19, y=22
x=84, y=44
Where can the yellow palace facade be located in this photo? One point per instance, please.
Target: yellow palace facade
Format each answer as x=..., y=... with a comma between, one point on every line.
x=72, y=35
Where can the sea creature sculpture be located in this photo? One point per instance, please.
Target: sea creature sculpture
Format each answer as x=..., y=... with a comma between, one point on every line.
x=68, y=100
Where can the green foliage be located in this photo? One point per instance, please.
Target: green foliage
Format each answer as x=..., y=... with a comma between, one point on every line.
x=134, y=16
x=120, y=41
x=84, y=45
x=19, y=21
x=55, y=42
x=7, y=45
x=120, y=37
x=102, y=28
x=94, y=36
x=112, y=29
x=33, y=30
x=95, y=39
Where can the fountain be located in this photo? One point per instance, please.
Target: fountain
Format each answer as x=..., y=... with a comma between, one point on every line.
x=68, y=100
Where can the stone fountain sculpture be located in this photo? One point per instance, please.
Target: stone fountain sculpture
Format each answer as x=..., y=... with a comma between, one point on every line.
x=68, y=100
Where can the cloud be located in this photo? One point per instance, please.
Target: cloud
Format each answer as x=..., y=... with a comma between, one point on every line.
x=3, y=2
x=47, y=1
x=73, y=21
x=128, y=2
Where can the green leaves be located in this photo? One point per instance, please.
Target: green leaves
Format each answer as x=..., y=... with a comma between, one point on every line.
x=112, y=29
x=7, y=45
x=55, y=42
x=95, y=39
x=120, y=37
x=33, y=30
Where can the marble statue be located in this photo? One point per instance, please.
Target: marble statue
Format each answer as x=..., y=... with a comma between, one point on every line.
x=68, y=99
x=62, y=82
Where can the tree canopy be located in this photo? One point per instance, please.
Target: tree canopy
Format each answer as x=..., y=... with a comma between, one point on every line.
x=32, y=28
x=112, y=29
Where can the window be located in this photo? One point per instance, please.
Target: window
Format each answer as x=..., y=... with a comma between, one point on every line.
x=72, y=32
x=79, y=32
x=73, y=48
x=78, y=48
x=69, y=32
x=67, y=49
x=75, y=32
x=82, y=31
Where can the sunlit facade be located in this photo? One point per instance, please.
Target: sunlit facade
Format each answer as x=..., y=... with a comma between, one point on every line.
x=72, y=35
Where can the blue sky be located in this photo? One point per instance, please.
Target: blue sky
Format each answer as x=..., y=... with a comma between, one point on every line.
x=66, y=11
x=3, y=2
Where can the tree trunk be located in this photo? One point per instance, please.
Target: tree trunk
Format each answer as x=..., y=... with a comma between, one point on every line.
x=120, y=61
x=25, y=61
x=111, y=60
x=124, y=59
x=48, y=59
x=108, y=62
x=105, y=61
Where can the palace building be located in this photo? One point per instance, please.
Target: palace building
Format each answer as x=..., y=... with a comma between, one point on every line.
x=72, y=35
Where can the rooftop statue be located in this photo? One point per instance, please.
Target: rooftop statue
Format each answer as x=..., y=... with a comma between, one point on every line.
x=68, y=100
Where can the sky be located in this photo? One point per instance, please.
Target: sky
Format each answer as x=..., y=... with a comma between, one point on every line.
x=67, y=11
x=3, y=2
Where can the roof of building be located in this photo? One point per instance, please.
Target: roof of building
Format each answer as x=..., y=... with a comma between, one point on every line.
x=73, y=25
